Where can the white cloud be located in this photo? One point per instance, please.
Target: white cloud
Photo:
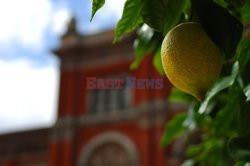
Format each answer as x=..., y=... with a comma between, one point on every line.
x=60, y=18
x=26, y=21
x=28, y=95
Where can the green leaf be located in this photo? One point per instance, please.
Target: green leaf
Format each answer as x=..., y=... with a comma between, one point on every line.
x=141, y=45
x=240, y=163
x=219, y=86
x=173, y=129
x=131, y=17
x=247, y=92
x=243, y=53
x=243, y=118
x=243, y=56
x=162, y=15
x=190, y=122
x=221, y=2
x=96, y=5
x=157, y=61
x=236, y=3
x=223, y=28
x=239, y=148
x=194, y=150
x=214, y=152
x=178, y=96
x=189, y=162
x=147, y=42
x=245, y=12
x=226, y=116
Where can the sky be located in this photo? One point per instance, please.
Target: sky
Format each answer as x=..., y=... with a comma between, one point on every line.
x=29, y=72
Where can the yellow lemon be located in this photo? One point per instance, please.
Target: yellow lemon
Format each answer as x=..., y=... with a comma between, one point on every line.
x=191, y=60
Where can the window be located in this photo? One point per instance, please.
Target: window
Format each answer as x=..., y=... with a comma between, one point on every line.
x=109, y=154
x=106, y=100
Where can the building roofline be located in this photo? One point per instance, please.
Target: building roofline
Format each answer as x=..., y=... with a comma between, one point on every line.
x=93, y=41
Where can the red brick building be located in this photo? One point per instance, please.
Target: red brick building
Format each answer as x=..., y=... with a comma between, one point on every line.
x=98, y=127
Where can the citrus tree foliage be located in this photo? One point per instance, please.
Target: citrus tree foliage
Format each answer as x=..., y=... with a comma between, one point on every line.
x=223, y=118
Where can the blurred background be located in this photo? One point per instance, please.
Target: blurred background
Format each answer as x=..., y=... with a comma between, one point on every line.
x=29, y=74
x=47, y=115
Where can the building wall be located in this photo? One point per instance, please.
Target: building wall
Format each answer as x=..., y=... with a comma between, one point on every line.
x=142, y=122
x=82, y=136
x=26, y=148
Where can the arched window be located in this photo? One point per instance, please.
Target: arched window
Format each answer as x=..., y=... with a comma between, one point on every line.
x=109, y=154
x=109, y=149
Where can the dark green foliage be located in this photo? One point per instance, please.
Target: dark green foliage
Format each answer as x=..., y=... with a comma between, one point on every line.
x=162, y=15
x=239, y=148
x=174, y=129
x=223, y=28
x=130, y=18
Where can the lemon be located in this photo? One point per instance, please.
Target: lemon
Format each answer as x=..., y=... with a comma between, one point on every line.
x=191, y=60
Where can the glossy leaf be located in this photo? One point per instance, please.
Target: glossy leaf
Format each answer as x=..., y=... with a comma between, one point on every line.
x=247, y=92
x=131, y=17
x=189, y=123
x=243, y=53
x=219, y=86
x=96, y=5
x=162, y=15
